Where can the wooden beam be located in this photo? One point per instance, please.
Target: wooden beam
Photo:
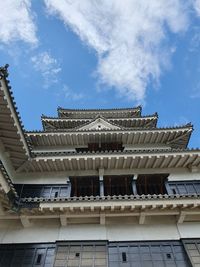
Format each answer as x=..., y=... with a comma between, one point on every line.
x=102, y=218
x=63, y=220
x=181, y=217
x=142, y=218
x=25, y=221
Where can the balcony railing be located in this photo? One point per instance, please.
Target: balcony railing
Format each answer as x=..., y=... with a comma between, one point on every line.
x=83, y=190
x=151, y=189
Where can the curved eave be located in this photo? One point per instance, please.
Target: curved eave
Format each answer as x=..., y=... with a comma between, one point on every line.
x=11, y=129
x=5, y=181
x=174, y=137
x=50, y=123
x=187, y=127
x=116, y=160
x=62, y=112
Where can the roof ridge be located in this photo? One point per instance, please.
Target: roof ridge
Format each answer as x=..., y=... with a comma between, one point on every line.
x=99, y=109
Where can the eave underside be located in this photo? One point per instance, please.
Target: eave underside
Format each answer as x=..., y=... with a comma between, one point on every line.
x=179, y=208
x=175, y=138
x=12, y=139
x=122, y=161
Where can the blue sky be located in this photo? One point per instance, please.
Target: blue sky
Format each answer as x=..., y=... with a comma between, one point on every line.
x=104, y=54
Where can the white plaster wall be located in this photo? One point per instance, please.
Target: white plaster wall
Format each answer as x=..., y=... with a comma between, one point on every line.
x=15, y=233
x=186, y=175
x=189, y=230
x=83, y=232
x=49, y=178
x=142, y=232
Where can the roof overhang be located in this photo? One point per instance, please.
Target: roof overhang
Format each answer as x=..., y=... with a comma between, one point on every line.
x=108, y=113
x=11, y=130
x=100, y=210
x=50, y=123
x=115, y=160
x=174, y=137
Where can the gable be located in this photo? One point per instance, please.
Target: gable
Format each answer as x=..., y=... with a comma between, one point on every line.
x=99, y=124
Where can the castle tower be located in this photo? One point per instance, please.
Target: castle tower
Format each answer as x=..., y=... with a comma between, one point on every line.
x=97, y=188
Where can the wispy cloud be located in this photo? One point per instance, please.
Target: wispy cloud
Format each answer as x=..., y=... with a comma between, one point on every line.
x=197, y=6
x=181, y=121
x=71, y=95
x=48, y=66
x=128, y=36
x=17, y=22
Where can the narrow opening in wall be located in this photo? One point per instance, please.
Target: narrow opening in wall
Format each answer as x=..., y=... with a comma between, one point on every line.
x=39, y=259
x=174, y=191
x=124, y=258
x=77, y=254
x=56, y=194
x=109, y=146
x=169, y=256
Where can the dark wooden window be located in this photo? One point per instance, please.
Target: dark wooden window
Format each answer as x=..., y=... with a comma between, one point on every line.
x=151, y=184
x=118, y=185
x=114, y=146
x=148, y=254
x=84, y=186
x=29, y=255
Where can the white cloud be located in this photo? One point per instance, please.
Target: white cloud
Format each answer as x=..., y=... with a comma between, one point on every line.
x=70, y=95
x=48, y=66
x=197, y=6
x=16, y=21
x=129, y=37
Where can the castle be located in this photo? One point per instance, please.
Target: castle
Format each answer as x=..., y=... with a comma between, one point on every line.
x=97, y=188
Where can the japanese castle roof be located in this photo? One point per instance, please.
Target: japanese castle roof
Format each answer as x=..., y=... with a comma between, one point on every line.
x=146, y=159
x=57, y=123
x=80, y=112
x=121, y=125
x=177, y=137
x=12, y=138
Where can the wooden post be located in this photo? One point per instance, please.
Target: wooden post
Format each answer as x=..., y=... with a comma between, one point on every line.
x=75, y=186
x=69, y=188
x=134, y=188
x=126, y=186
x=101, y=183
x=92, y=187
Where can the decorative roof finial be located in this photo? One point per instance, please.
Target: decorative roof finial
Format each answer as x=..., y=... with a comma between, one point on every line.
x=4, y=71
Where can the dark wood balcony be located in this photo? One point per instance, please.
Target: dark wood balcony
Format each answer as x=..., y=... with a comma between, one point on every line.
x=85, y=186
x=118, y=185
x=150, y=184
x=101, y=147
